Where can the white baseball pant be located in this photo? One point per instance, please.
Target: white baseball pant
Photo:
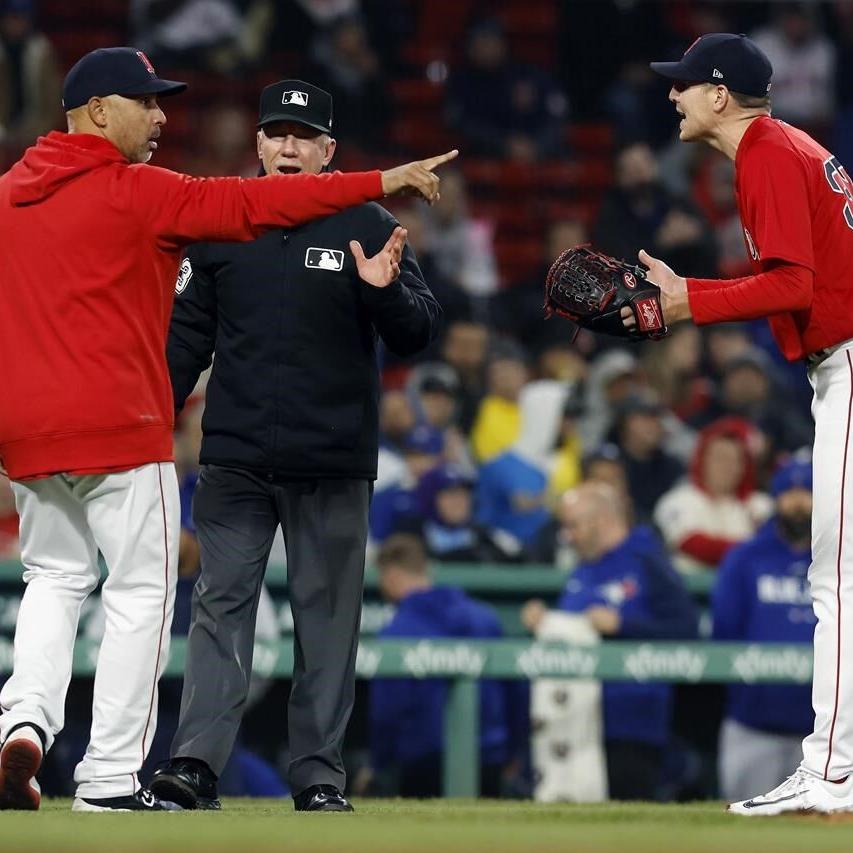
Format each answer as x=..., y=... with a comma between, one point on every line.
x=828, y=751
x=133, y=518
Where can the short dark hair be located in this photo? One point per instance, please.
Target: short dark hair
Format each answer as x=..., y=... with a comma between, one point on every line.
x=405, y=551
x=751, y=102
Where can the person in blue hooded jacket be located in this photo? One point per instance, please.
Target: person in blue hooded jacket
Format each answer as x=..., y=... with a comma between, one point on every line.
x=406, y=715
x=446, y=521
x=625, y=585
x=762, y=596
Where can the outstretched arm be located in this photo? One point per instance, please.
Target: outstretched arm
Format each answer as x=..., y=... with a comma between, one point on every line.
x=782, y=287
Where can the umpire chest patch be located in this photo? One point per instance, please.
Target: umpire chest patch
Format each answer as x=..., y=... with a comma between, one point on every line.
x=324, y=259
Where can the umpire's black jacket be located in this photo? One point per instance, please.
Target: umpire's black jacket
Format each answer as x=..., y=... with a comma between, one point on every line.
x=294, y=390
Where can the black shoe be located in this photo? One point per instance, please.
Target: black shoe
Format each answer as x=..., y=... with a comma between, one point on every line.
x=321, y=798
x=189, y=782
x=142, y=801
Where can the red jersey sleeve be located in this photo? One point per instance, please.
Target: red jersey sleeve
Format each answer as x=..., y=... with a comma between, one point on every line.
x=180, y=209
x=785, y=287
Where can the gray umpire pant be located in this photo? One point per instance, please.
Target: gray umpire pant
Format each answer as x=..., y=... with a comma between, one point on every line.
x=324, y=522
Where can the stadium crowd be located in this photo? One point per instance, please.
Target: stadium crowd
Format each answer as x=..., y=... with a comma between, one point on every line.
x=497, y=440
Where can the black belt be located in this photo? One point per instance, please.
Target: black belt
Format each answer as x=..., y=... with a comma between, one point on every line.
x=813, y=359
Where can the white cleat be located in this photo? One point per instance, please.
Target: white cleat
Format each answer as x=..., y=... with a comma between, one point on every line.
x=142, y=801
x=800, y=792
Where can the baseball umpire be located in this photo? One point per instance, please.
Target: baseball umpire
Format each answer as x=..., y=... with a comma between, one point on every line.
x=92, y=243
x=290, y=439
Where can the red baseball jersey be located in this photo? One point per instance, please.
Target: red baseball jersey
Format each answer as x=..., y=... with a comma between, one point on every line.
x=796, y=207
x=89, y=257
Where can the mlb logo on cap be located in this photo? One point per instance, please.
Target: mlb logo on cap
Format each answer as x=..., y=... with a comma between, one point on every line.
x=296, y=100
x=300, y=98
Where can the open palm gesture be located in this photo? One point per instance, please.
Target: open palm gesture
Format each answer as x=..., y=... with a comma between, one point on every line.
x=384, y=266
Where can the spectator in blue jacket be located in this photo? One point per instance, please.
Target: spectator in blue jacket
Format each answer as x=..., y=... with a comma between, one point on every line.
x=394, y=506
x=406, y=715
x=762, y=596
x=446, y=523
x=627, y=588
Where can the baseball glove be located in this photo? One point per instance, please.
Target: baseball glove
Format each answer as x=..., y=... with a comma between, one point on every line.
x=591, y=289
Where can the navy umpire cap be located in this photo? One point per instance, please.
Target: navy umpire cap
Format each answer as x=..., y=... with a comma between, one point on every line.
x=296, y=100
x=734, y=61
x=114, y=71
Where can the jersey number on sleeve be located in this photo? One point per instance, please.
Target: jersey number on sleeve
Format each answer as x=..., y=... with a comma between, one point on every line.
x=840, y=182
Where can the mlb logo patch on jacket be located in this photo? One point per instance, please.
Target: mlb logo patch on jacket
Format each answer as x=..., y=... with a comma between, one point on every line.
x=324, y=259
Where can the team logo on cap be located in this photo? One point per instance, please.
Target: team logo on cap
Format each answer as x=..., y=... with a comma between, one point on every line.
x=324, y=259
x=146, y=62
x=298, y=98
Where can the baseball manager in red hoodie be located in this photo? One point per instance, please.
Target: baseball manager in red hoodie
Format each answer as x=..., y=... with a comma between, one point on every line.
x=91, y=243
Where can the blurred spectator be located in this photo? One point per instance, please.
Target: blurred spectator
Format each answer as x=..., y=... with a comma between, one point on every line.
x=517, y=310
x=433, y=387
x=297, y=22
x=762, y=596
x=636, y=105
x=723, y=343
x=434, y=393
x=502, y=108
x=560, y=359
x=217, y=35
x=455, y=302
x=407, y=715
x=605, y=464
x=613, y=376
x=749, y=390
x=9, y=543
x=30, y=85
x=842, y=142
x=465, y=349
x=512, y=488
x=462, y=245
x=566, y=468
x=703, y=518
x=674, y=370
x=499, y=416
x=345, y=64
x=626, y=588
x=325, y=12
x=221, y=143
x=639, y=213
x=396, y=421
x=650, y=469
x=446, y=524
x=804, y=62
x=715, y=188
x=396, y=504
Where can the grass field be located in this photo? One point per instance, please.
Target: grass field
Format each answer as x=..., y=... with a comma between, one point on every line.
x=434, y=826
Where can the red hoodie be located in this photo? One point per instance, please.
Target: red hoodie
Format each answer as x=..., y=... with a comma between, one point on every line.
x=703, y=546
x=89, y=256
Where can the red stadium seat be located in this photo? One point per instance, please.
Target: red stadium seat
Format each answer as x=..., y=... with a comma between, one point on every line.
x=590, y=137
